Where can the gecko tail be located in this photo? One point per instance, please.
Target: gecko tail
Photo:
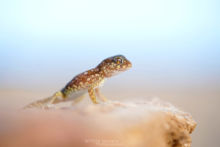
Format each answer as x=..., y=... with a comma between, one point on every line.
x=43, y=103
x=40, y=103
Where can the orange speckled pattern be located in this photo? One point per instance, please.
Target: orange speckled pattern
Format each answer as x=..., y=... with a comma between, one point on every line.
x=89, y=80
x=94, y=77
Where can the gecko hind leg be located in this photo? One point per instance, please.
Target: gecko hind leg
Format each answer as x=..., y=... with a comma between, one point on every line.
x=92, y=95
x=56, y=97
x=100, y=95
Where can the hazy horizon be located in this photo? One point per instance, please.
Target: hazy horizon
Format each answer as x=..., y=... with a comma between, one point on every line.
x=173, y=45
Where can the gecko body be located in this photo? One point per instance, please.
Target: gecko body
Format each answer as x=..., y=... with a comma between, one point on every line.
x=89, y=80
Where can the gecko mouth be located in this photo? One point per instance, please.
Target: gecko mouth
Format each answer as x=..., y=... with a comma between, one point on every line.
x=129, y=64
x=125, y=67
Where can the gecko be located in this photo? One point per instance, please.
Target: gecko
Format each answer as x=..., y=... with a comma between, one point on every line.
x=89, y=81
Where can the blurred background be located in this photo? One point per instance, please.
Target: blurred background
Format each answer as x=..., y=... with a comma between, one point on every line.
x=174, y=47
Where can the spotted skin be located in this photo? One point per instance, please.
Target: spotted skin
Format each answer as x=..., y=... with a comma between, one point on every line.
x=85, y=80
x=89, y=80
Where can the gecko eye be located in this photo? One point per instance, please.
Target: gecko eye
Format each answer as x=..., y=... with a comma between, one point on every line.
x=118, y=60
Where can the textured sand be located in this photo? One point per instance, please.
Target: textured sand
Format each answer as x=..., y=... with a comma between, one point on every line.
x=122, y=124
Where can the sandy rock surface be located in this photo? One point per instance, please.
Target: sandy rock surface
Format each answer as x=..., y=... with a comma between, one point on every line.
x=113, y=124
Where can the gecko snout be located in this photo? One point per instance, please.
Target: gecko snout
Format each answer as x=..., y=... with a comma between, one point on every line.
x=124, y=65
x=114, y=65
x=129, y=64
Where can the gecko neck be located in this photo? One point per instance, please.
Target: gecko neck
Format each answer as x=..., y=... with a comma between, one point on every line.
x=103, y=74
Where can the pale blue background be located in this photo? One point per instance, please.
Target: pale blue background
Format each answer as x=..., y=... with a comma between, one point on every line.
x=43, y=39
x=174, y=46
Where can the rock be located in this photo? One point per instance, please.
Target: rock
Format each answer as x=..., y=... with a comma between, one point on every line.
x=121, y=124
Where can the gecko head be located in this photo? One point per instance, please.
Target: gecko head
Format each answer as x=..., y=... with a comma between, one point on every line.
x=114, y=65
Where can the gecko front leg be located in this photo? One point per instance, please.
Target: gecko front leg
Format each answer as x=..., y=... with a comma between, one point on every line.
x=92, y=95
x=100, y=95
